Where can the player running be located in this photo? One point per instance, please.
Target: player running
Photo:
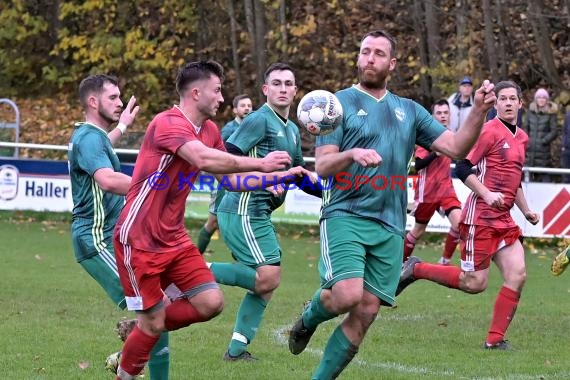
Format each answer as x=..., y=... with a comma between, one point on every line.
x=488, y=232
x=434, y=191
x=152, y=246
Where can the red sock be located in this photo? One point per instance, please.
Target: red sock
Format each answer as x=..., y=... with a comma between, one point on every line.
x=136, y=351
x=447, y=275
x=409, y=245
x=180, y=314
x=503, y=313
x=450, y=243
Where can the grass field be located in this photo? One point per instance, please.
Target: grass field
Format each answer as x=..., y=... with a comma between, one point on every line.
x=57, y=324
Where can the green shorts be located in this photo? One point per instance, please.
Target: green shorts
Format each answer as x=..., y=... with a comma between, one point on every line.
x=103, y=269
x=354, y=247
x=252, y=241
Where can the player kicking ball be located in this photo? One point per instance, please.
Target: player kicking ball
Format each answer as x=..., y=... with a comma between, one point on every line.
x=487, y=230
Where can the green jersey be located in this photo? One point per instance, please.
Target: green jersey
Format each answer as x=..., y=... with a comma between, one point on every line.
x=95, y=212
x=260, y=133
x=392, y=126
x=229, y=128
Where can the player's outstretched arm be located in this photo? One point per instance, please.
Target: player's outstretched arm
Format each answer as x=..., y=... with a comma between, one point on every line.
x=218, y=162
x=329, y=160
x=253, y=181
x=520, y=201
x=112, y=181
x=457, y=145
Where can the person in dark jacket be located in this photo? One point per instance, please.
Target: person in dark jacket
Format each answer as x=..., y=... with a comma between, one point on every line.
x=542, y=130
x=566, y=147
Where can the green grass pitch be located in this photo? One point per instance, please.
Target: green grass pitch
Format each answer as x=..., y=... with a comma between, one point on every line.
x=56, y=323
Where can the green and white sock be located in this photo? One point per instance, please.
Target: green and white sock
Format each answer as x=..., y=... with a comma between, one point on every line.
x=248, y=319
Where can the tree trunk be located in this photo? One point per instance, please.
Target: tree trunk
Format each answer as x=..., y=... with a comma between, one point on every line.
x=502, y=48
x=490, y=39
x=254, y=20
x=542, y=34
x=283, y=28
x=461, y=17
x=234, y=45
x=419, y=17
x=433, y=43
x=260, y=51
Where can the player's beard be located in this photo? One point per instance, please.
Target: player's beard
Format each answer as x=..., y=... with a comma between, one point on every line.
x=109, y=118
x=375, y=80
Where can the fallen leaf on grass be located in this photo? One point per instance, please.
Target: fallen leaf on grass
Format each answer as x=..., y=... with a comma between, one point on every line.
x=83, y=365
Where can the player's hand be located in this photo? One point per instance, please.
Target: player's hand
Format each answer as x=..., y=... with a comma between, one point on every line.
x=276, y=160
x=300, y=172
x=485, y=96
x=495, y=200
x=277, y=190
x=367, y=158
x=532, y=217
x=130, y=112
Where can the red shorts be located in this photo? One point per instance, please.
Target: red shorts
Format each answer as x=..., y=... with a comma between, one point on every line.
x=144, y=274
x=424, y=211
x=480, y=243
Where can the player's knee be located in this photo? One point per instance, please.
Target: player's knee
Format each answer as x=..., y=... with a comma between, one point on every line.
x=516, y=279
x=213, y=305
x=267, y=285
x=346, y=300
x=152, y=327
x=474, y=285
x=268, y=279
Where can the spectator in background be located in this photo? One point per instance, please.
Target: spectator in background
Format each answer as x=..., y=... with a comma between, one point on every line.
x=565, y=156
x=460, y=104
x=541, y=128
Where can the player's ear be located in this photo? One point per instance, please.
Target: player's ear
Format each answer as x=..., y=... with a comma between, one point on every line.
x=392, y=63
x=265, y=89
x=92, y=101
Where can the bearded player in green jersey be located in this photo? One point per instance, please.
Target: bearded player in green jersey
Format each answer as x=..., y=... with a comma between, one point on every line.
x=98, y=187
x=360, y=267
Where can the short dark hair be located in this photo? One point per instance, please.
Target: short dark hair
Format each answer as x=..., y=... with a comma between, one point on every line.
x=238, y=98
x=277, y=66
x=507, y=84
x=440, y=102
x=382, y=33
x=194, y=71
x=94, y=84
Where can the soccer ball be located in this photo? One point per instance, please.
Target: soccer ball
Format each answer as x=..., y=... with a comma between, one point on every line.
x=320, y=112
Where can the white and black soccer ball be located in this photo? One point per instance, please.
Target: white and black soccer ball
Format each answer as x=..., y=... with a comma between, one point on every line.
x=320, y=112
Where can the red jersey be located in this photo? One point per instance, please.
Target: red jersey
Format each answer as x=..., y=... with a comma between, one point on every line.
x=153, y=217
x=434, y=183
x=499, y=156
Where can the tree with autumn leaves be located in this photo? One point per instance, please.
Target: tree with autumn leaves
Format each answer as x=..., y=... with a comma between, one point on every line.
x=47, y=47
